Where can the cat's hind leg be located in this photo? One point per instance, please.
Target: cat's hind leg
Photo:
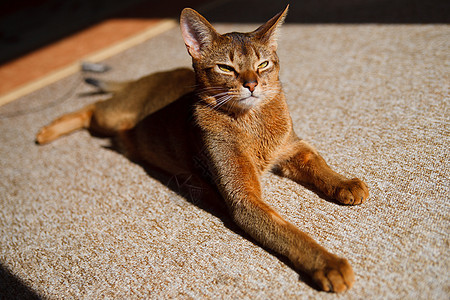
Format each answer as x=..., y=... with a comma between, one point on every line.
x=66, y=124
x=106, y=117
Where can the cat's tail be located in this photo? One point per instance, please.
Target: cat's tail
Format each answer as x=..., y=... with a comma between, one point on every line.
x=106, y=86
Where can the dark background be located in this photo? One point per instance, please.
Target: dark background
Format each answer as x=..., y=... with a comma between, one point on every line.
x=26, y=25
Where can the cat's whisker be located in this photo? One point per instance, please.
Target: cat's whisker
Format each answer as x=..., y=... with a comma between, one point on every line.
x=222, y=100
x=219, y=102
x=206, y=90
x=221, y=95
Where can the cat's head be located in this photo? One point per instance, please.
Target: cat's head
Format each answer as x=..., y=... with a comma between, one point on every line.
x=235, y=71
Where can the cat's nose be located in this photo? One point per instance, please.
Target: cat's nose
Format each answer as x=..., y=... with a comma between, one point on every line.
x=251, y=85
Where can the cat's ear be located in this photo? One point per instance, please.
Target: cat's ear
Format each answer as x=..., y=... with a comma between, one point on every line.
x=197, y=33
x=267, y=32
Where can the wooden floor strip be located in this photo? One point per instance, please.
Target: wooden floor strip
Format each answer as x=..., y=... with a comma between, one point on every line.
x=74, y=66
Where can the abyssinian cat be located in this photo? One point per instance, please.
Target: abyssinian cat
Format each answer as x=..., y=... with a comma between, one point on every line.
x=225, y=133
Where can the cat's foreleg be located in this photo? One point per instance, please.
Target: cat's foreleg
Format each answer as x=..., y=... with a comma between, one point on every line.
x=239, y=184
x=301, y=163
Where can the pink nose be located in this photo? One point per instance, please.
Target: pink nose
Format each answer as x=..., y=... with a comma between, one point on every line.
x=251, y=85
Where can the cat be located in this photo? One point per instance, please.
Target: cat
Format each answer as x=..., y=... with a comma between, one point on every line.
x=226, y=123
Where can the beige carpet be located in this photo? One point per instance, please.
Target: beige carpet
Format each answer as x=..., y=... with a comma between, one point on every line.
x=78, y=220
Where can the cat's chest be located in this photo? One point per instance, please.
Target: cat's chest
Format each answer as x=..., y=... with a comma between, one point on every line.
x=258, y=135
x=261, y=136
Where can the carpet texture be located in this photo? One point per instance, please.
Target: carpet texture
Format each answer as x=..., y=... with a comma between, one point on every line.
x=79, y=220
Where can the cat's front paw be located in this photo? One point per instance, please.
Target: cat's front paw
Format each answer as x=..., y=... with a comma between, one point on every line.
x=336, y=276
x=352, y=192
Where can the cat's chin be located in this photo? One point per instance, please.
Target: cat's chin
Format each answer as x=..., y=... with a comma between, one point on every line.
x=248, y=102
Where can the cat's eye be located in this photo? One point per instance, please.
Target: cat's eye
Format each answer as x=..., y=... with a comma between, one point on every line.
x=263, y=65
x=225, y=68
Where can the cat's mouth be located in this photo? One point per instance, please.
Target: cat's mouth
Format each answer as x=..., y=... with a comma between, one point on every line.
x=248, y=102
x=251, y=97
x=248, y=95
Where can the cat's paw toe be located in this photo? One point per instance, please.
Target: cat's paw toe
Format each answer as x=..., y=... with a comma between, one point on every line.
x=352, y=192
x=337, y=276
